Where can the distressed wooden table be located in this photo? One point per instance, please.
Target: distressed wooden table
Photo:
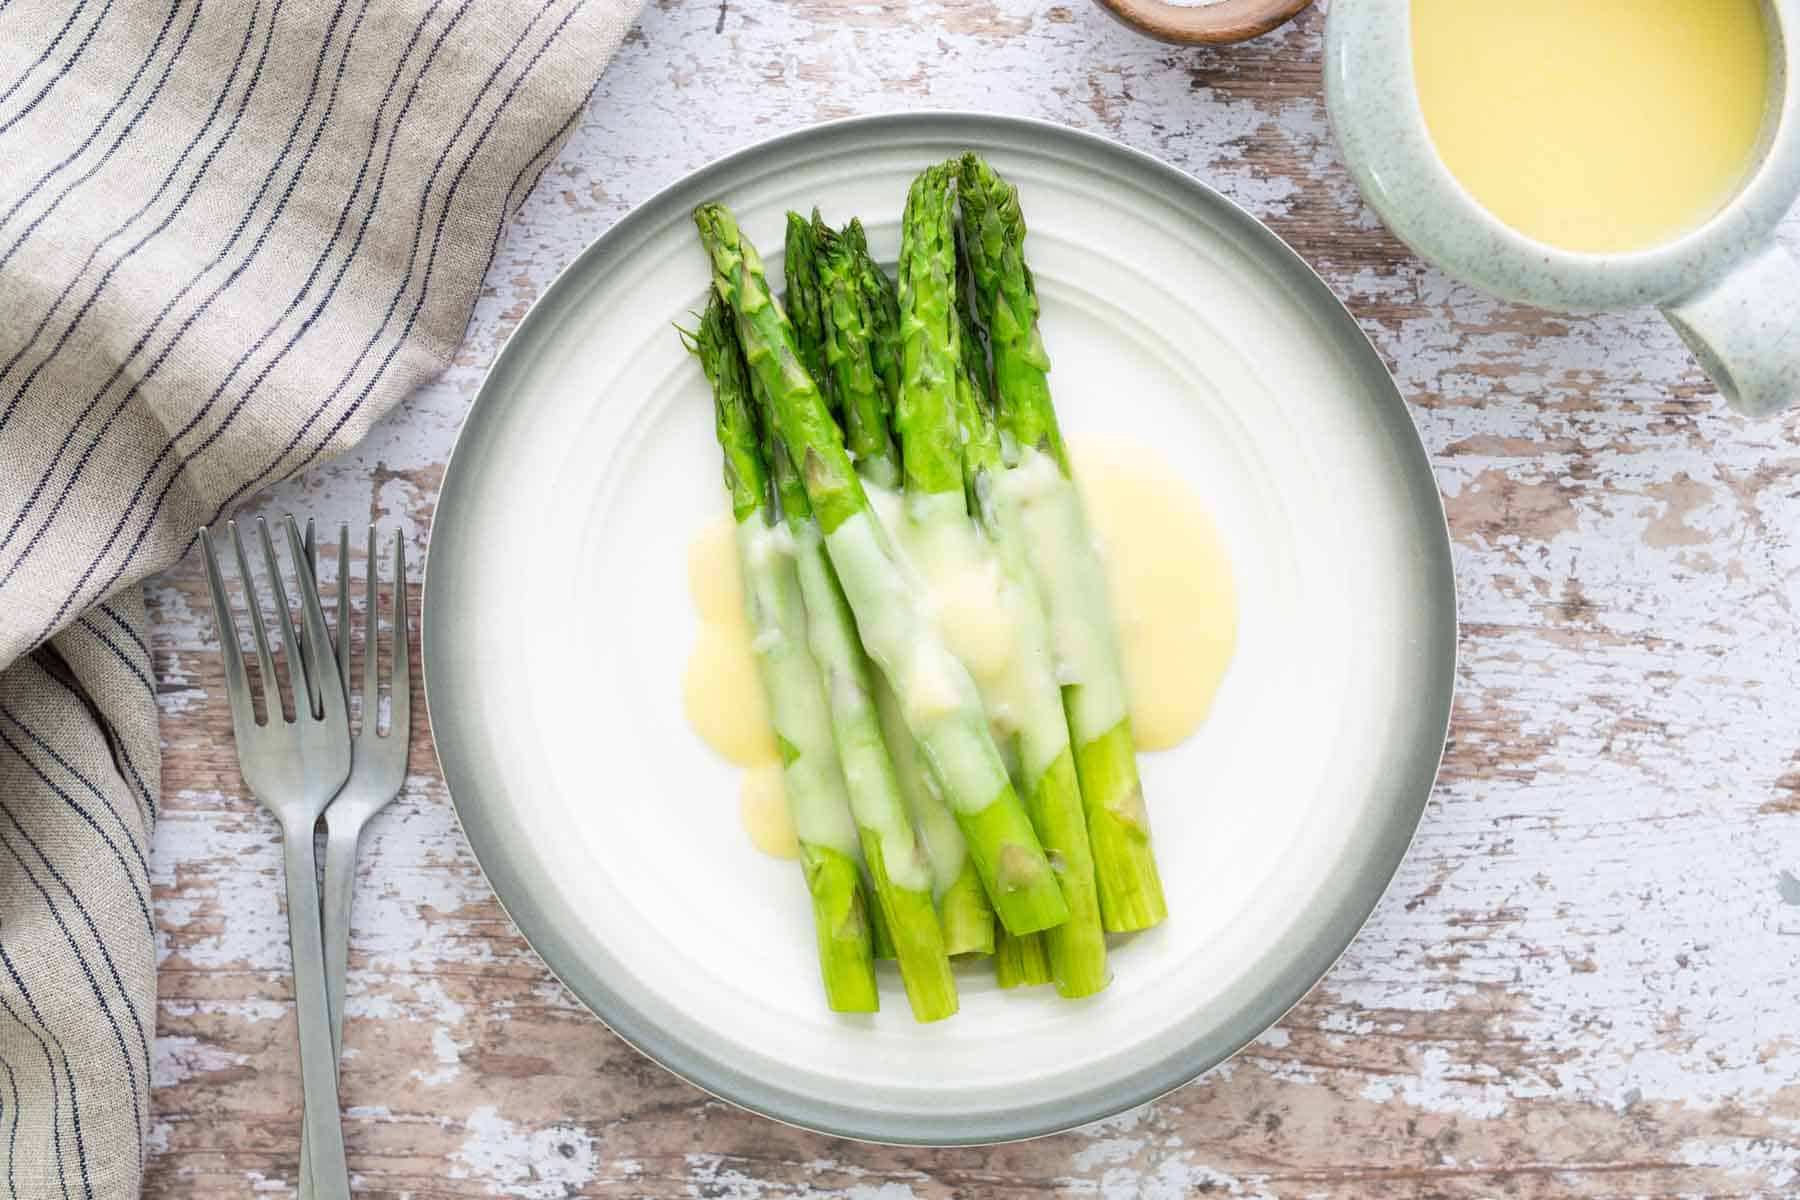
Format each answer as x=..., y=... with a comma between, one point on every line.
x=1586, y=980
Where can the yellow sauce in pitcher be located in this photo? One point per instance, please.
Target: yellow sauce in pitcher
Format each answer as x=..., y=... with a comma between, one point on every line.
x=1594, y=125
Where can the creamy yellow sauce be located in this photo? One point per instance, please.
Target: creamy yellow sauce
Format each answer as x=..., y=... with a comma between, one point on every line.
x=762, y=807
x=1173, y=598
x=1174, y=603
x=1594, y=125
x=720, y=690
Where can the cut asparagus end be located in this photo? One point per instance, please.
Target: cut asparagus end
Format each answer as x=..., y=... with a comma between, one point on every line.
x=1131, y=894
x=841, y=924
x=966, y=916
x=1077, y=947
x=1013, y=869
x=919, y=947
x=881, y=938
x=1021, y=961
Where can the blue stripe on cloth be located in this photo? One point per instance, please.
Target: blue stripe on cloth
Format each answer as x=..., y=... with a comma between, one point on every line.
x=362, y=228
x=131, y=633
x=418, y=230
x=87, y=969
x=136, y=891
x=506, y=210
x=44, y=55
x=256, y=247
x=74, y=1090
x=55, y=1093
x=162, y=496
x=205, y=164
x=120, y=750
x=431, y=262
x=118, y=230
x=68, y=64
x=42, y=58
x=298, y=298
x=12, y=1134
x=93, y=134
x=101, y=636
x=324, y=256
x=187, y=323
x=130, y=837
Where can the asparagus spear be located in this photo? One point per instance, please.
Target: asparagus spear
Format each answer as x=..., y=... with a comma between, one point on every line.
x=811, y=774
x=1031, y=696
x=937, y=696
x=884, y=311
x=850, y=337
x=862, y=328
x=806, y=299
x=1044, y=510
x=904, y=914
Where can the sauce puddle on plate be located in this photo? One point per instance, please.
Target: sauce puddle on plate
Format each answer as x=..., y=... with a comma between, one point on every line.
x=1174, y=605
x=1594, y=125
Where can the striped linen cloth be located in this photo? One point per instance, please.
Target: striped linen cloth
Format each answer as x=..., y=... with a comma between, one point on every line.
x=232, y=235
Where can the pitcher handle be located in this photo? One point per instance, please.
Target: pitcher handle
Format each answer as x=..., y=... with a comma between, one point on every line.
x=1744, y=327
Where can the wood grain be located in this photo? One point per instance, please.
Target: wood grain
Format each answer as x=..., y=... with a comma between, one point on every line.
x=1212, y=23
x=1584, y=981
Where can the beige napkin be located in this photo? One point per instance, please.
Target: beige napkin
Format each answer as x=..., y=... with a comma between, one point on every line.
x=232, y=235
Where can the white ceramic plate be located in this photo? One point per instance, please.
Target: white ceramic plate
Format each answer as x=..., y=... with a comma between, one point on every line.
x=557, y=623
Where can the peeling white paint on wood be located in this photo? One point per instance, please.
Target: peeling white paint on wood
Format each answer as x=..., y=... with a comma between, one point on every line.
x=1585, y=980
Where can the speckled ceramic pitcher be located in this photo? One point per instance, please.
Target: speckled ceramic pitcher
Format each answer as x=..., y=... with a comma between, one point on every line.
x=1728, y=288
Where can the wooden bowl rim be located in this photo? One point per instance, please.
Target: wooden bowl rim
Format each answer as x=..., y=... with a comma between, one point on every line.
x=1205, y=24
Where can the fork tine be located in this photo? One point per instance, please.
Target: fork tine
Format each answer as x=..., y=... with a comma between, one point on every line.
x=312, y=560
x=237, y=683
x=371, y=677
x=343, y=606
x=400, y=673
x=300, y=679
x=319, y=668
x=265, y=661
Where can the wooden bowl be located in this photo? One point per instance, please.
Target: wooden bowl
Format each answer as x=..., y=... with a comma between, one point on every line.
x=1204, y=24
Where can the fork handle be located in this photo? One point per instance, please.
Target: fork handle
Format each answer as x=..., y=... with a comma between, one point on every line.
x=323, y=1129
x=340, y=886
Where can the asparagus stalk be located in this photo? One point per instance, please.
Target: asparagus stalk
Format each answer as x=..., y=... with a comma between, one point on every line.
x=811, y=774
x=1045, y=512
x=964, y=914
x=904, y=914
x=937, y=696
x=1075, y=950
x=1022, y=961
x=897, y=866
x=881, y=939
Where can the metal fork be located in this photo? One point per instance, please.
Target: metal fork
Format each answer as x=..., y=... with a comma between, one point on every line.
x=378, y=761
x=294, y=768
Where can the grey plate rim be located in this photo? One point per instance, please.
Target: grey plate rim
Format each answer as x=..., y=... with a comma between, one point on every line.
x=1306, y=966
